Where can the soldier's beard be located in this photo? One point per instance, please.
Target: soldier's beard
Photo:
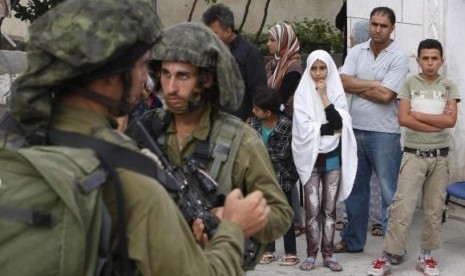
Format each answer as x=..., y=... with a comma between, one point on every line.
x=194, y=103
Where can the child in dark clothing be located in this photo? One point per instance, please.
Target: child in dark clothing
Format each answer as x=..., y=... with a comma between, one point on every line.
x=275, y=129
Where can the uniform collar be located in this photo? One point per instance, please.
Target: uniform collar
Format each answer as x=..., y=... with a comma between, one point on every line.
x=203, y=128
x=76, y=119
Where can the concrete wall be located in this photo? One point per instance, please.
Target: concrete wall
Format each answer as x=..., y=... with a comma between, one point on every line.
x=172, y=12
x=15, y=28
x=420, y=19
x=409, y=21
x=12, y=64
x=454, y=33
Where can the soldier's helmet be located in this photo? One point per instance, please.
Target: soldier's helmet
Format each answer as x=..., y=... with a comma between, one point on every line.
x=195, y=43
x=80, y=40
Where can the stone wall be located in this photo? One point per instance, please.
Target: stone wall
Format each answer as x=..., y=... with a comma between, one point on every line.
x=172, y=12
x=421, y=19
x=12, y=63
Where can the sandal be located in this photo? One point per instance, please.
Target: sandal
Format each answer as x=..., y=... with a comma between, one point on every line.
x=267, y=258
x=308, y=264
x=289, y=260
x=340, y=225
x=343, y=247
x=377, y=230
x=299, y=230
x=332, y=264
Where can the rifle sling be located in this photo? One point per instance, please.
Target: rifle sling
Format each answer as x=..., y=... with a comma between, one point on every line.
x=117, y=156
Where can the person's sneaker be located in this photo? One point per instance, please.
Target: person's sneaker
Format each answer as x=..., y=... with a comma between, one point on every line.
x=380, y=267
x=428, y=266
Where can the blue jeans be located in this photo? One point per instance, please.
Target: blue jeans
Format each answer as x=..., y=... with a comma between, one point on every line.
x=381, y=152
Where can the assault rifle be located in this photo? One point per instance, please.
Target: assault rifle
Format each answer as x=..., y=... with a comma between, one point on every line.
x=193, y=190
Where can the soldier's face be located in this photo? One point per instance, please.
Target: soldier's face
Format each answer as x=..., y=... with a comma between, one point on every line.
x=179, y=83
x=139, y=75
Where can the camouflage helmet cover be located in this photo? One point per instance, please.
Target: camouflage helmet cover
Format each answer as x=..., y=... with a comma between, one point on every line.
x=195, y=43
x=74, y=39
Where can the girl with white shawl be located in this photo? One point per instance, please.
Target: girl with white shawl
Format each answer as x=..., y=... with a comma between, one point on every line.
x=325, y=152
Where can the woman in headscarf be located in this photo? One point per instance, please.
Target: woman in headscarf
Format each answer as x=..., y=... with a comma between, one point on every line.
x=284, y=70
x=325, y=153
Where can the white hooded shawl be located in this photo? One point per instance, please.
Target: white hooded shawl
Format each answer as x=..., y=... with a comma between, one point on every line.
x=309, y=115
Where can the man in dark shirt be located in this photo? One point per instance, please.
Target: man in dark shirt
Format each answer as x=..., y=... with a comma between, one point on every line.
x=220, y=19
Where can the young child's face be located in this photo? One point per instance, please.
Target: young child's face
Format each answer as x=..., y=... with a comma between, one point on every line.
x=260, y=113
x=430, y=61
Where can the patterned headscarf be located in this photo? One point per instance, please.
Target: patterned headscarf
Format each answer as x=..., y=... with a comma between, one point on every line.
x=288, y=52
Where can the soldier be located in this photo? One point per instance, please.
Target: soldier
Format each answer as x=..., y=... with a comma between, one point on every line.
x=87, y=65
x=199, y=77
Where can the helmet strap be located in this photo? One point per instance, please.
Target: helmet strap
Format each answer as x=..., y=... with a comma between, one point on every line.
x=125, y=105
x=114, y=106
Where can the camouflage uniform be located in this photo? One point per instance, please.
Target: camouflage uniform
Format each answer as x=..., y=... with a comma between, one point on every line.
x=74, y=40
x=251, y=165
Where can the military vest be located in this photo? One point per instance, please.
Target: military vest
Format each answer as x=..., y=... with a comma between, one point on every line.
x=217, y=153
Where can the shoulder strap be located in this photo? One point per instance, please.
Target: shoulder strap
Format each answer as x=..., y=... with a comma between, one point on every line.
x=32, y=217
x=201, y=152
x=222, y=147
x=227, y=133
x=133, y=161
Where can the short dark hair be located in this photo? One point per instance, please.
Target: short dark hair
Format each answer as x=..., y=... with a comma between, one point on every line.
x=430, y=44
x=220, y=13
x=267, y=99
x=385, y=11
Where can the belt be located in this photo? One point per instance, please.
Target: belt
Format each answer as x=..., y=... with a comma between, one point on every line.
x=428, y=153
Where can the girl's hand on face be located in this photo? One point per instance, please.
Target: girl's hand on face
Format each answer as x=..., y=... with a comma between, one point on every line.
x=320, y=86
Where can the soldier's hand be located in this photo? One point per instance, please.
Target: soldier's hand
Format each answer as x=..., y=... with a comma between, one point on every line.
x=250, y=213
x=218, y=212
x=122, y=123
x=197, y=229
